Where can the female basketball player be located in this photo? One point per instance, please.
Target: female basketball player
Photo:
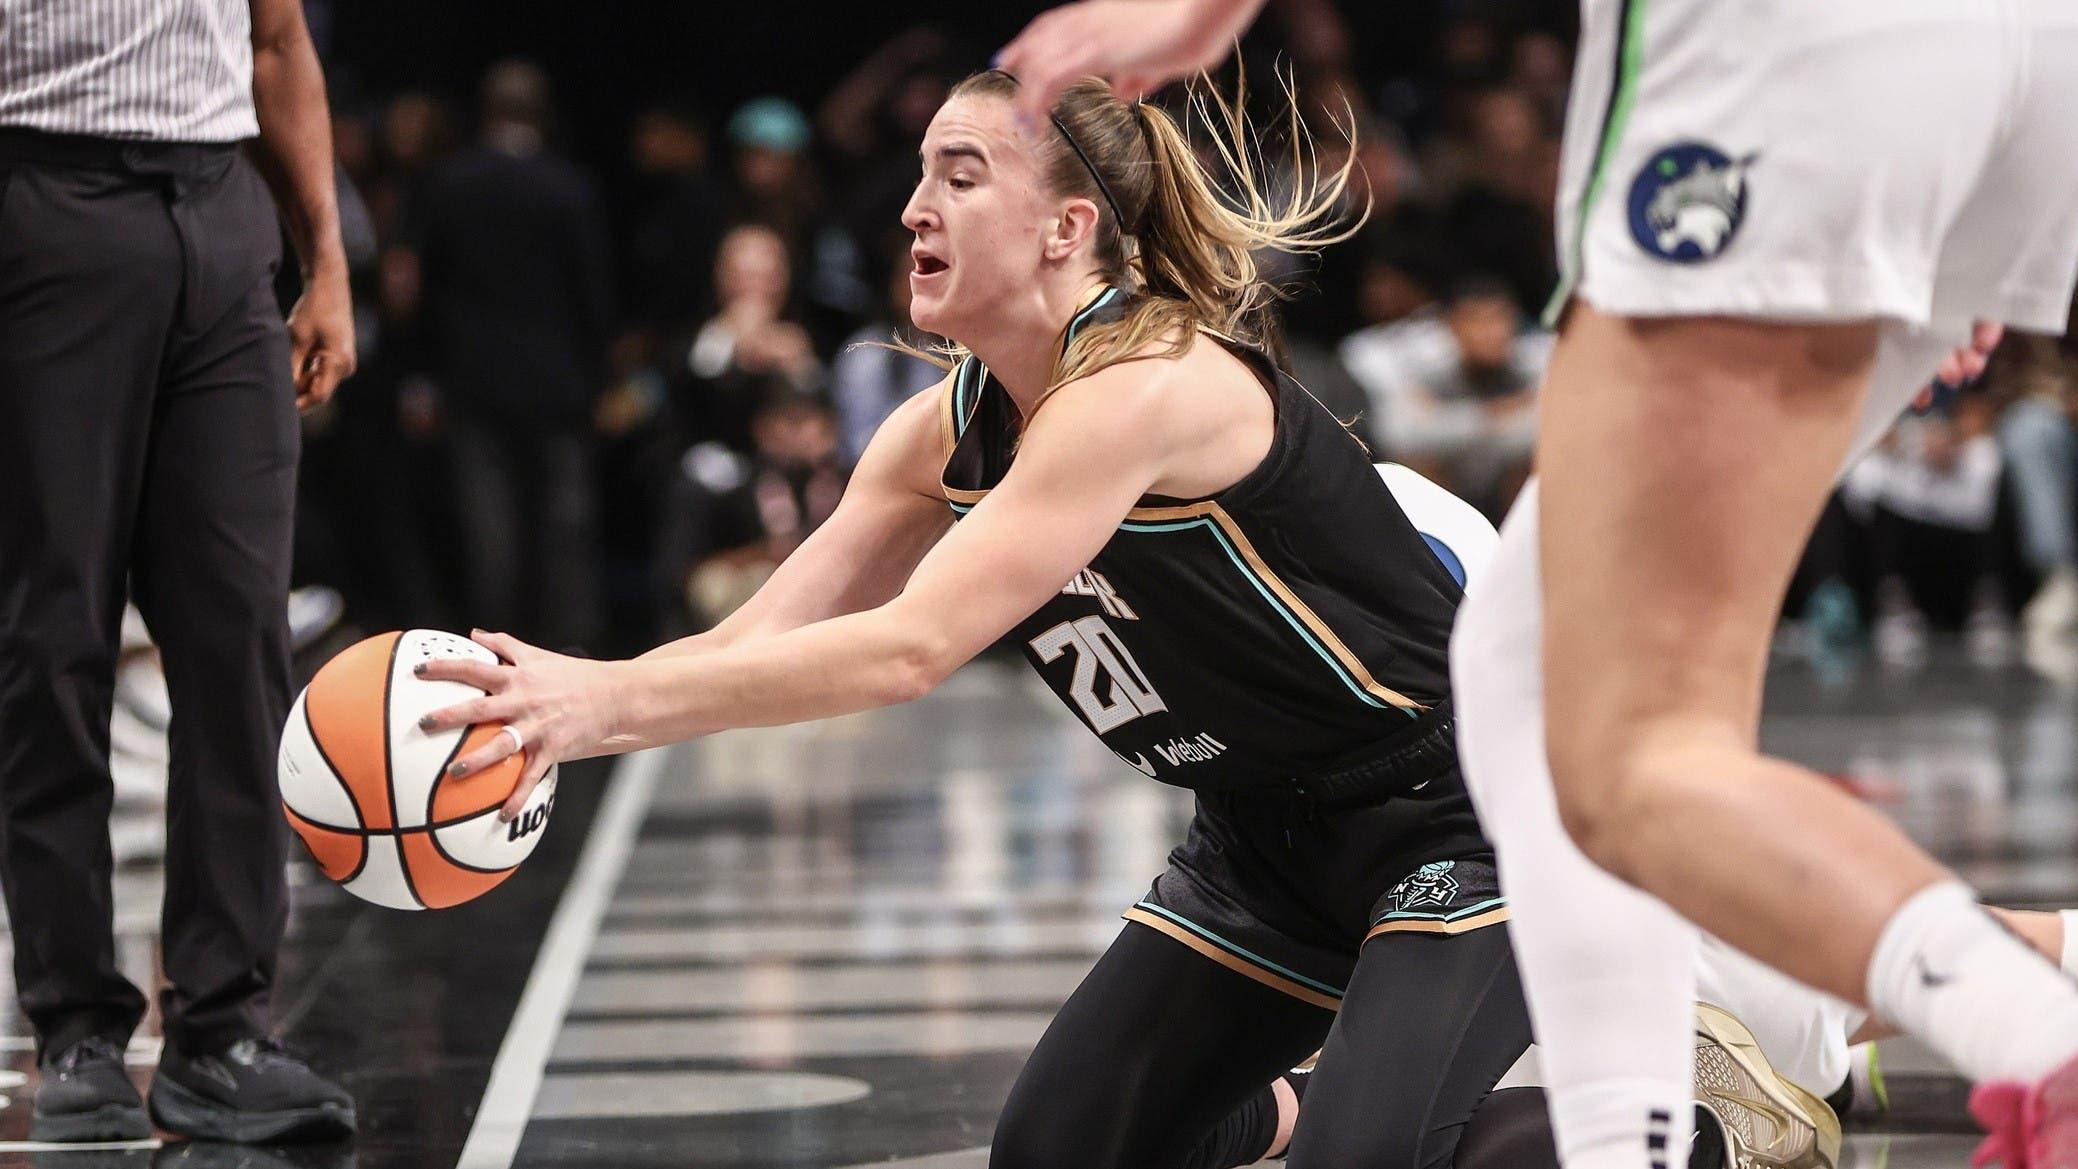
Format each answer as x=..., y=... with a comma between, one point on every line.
x=1209, y=571
x=1775, y=229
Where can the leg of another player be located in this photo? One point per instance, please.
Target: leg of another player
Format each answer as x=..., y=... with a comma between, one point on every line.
x=1683, y=463
x=1610, y=973
x=1146, y=1058
x=1805, y=1035
x=2050, y=933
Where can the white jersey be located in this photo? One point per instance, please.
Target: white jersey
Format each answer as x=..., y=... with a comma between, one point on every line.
x=1914, y=161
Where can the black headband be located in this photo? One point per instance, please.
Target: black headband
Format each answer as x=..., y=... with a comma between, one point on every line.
x=1103, y=186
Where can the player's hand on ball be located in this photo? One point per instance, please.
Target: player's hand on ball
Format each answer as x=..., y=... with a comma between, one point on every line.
x=1141, y=45
x=554, y=708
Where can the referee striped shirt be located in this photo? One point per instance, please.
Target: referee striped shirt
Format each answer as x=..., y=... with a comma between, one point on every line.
x=160, y=70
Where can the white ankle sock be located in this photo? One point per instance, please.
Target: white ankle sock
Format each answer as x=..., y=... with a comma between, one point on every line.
x=1946, y=971
x=1623, y=1124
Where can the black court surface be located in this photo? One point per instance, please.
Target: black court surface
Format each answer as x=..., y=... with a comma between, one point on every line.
x=832, y=946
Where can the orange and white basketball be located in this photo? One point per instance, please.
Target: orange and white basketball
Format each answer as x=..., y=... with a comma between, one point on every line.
x=367, y=790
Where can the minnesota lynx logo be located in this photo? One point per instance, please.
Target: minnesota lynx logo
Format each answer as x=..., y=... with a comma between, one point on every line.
x=1688, y=202
x=1430, y=885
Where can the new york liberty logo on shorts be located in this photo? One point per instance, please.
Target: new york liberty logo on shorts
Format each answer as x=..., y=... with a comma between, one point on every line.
x=1430, y=885
x=1688, y=201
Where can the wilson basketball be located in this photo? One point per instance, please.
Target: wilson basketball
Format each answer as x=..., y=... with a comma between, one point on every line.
x=367, y=790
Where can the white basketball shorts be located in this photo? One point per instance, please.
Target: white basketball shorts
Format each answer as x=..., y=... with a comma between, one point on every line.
x=1913, y=160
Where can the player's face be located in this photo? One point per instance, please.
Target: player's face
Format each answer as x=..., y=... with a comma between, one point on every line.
x=980, y=214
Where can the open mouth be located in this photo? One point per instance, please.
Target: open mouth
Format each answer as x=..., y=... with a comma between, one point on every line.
x=927, y=265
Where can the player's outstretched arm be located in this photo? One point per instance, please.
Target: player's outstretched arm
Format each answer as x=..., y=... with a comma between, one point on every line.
x=1140, y=45
x=1084, y=462
x=890, y=516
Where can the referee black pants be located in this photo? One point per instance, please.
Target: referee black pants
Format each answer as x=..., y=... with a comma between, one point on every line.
x=148, y=444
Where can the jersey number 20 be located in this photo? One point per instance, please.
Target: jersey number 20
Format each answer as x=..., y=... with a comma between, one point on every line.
x=1096, y=645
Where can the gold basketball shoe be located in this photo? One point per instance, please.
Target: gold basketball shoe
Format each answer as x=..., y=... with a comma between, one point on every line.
x=1768, y=1122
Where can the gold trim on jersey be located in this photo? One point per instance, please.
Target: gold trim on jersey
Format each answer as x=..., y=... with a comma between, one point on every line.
x=1234, y=962
x=1418, y=926
x=1210, y=510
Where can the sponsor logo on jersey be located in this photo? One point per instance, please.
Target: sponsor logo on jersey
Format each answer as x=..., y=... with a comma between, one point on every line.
x=1091, y=583
x=1197, y=749
x=1433, y=884
x=1177, y=752
x=1688, y=201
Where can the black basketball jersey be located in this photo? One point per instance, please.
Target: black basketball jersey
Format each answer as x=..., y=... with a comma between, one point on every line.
x=1250, y=636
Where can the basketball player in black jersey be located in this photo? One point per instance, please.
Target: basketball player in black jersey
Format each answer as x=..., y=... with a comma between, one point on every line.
x=1208, y=570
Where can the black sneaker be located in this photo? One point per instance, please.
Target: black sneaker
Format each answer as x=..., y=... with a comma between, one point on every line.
x=253, y=1091
x=85, y=1096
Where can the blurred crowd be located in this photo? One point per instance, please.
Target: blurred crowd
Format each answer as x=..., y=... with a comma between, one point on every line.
x=597, y=407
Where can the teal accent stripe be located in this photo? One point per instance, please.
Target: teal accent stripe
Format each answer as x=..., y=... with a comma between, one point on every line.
x=973, y=375
x=1290, y=618
x=1630, y=62
x=1083, y=317
x=1239, y=952
x=962, y=413
x=1468, y=911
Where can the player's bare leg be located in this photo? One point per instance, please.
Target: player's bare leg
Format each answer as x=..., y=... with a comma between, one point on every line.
x=1683, y=462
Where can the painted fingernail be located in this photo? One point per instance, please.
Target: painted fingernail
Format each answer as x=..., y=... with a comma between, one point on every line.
x=426, y=723
x=458, y=769
x=419, y=669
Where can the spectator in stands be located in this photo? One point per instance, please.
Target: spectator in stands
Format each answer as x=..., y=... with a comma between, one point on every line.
x=1928, y=495
x=733, y=517
x=516, y=276
x=679, y=211
x=2039, y=377
x=870, y=126
x=1498, y=182
x=1542, y=70
x=867, y=379
x=417, y=134
x=751, y=346
x=1453, y=390
x=774, y=179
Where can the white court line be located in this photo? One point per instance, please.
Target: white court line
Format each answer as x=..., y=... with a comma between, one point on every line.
x=508, y=1099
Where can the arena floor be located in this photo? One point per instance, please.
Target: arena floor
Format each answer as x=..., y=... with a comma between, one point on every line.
x=831, y=946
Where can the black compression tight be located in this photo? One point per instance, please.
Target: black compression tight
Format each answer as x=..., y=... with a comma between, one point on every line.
x=1511, y=1129
x=1159, y=1059
x=1154, y=1049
